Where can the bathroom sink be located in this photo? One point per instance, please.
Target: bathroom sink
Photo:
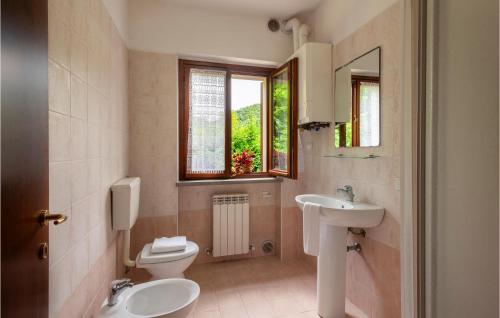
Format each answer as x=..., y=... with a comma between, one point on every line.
x=335, y=216
x=167, y=298
x=335, y=211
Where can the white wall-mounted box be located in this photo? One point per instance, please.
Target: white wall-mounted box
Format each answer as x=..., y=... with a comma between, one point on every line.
x=315, y=82
x=125, y=194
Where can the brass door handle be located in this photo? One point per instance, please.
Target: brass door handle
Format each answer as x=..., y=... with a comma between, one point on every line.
x=45, y=217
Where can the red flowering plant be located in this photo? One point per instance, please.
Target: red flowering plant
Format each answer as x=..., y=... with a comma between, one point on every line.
x=242, y=162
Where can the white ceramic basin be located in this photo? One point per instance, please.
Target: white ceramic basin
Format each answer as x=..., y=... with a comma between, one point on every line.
x=336, y=215
x=335, y=211
x=167, y=298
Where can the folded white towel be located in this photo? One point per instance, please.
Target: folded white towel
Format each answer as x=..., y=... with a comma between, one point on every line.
x=310, y=219
x=168, y=244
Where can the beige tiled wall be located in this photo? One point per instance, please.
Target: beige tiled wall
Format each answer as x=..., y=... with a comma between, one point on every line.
x=291, y=217
x=153, y=144
x=88, y=151
x=153, y=130
x=166, y=210
x=373, y=280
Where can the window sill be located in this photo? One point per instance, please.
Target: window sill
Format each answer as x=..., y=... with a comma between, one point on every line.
x=186, y=183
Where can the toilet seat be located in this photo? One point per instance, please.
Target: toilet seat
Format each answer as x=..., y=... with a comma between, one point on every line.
x=146, y=257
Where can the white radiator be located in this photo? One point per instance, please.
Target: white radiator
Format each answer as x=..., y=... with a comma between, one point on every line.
x=231, y=224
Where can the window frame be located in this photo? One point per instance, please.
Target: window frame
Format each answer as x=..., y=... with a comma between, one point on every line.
x=293, y=115
x=184, y=67
x=356, y=81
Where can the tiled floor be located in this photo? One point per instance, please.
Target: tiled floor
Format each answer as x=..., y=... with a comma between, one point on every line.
x=262, y=287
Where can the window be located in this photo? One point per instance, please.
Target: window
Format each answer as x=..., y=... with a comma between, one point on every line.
x=363, y=129
x=248, y=108
x=207, y=123
x=283, y=121
x=230, y=125
x=369, y=116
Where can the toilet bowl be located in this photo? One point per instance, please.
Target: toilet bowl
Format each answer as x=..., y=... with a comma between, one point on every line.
x=167, y=265
x=126, y=194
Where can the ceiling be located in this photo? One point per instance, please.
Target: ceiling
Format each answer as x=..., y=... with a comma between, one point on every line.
x=266, y=8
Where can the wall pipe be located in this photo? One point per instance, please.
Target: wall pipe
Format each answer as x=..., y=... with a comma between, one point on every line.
x=293, y=25
x=126, y=250
x=304, y=32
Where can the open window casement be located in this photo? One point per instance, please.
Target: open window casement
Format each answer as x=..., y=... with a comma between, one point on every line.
x=282, y=121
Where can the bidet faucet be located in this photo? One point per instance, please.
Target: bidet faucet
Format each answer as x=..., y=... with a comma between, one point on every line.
x=117, y=287
x=348, y=191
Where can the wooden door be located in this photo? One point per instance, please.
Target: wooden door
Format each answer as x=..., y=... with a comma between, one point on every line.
x=24, y=166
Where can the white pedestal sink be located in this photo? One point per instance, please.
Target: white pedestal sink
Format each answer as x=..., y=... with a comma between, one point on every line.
x=336, y=216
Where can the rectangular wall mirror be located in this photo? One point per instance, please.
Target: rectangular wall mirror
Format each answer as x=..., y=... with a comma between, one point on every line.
x=357, y=102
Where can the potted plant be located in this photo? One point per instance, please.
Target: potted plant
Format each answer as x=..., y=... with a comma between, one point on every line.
x=242, y=162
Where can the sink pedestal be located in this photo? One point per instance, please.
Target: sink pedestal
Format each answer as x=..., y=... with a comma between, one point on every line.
x=336, y=216
x=332, y=271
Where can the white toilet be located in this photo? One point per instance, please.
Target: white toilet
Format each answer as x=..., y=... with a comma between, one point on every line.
x=125, y=211
x=167, y=265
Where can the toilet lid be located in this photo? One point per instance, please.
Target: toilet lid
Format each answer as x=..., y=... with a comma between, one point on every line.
x=146, y=257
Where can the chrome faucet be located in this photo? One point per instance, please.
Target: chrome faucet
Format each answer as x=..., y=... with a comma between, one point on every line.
x=348, y=191
x=117, y=287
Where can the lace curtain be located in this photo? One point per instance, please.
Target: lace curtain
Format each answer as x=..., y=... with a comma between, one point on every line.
x=369, y=114
x=206, y=135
